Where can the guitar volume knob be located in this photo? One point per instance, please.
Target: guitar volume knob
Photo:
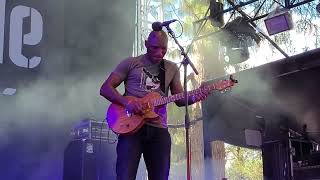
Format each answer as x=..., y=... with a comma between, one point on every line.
x=128, y=113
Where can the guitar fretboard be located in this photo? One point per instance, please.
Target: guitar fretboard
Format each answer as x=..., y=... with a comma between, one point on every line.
x=169, y=99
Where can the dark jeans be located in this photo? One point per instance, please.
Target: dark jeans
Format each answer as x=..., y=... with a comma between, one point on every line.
x=155, y=145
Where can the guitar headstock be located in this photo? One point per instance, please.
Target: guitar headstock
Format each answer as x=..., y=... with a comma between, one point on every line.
x=226, y=84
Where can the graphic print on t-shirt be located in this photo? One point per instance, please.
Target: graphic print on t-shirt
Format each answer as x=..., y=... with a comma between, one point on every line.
x=149, y=82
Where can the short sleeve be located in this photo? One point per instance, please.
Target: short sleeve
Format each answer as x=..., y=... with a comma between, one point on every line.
x=172, y=72
x=123, y=68
x=176, y=73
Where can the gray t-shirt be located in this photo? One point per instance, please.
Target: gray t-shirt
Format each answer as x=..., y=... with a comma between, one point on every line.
x=141, y=77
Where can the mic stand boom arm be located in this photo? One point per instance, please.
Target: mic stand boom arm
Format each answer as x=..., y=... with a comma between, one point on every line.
x=186, y=59
x=185, y=63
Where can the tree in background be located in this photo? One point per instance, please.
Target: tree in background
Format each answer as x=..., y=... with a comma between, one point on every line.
x=209, y=59
x=243, y=163
x=192, y=11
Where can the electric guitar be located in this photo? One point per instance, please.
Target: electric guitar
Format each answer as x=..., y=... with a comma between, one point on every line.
x=123, y=122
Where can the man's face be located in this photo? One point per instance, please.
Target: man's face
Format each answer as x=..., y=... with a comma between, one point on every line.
x=156, y=45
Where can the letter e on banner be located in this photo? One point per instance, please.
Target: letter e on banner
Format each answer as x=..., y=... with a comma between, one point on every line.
x=18, y=39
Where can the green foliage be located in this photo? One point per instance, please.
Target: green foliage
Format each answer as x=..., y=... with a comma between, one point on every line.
x=243, y=163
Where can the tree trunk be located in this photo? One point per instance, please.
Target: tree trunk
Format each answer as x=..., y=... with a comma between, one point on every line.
x=209, y=66
x=197, y=151
x=218, y=159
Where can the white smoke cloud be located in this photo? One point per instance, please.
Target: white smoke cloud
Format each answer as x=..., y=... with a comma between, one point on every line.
x=83, y=41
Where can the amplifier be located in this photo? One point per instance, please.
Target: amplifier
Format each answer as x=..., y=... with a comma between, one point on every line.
x=92, y=129
x=87, y=159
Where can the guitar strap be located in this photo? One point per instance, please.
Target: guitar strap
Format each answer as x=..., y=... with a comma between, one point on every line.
x=162, y=77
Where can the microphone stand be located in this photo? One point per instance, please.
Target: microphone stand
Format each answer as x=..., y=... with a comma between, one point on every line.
x=185, y=63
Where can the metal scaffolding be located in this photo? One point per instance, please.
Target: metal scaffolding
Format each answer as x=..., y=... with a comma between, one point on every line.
x=147, y=11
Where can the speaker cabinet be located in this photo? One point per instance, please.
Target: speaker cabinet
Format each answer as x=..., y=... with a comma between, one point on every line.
x=276, y=161
x=87, y=159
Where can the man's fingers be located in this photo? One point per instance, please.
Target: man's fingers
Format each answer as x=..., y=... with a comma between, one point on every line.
x=203, y=95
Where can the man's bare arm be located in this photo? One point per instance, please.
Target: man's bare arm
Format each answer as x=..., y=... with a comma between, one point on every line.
x=175, y=88
x=109, y=91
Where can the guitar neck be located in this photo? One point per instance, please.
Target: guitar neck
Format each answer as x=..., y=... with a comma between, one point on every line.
x=169, y=99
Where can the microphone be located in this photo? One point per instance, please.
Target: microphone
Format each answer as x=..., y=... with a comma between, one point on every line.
x=157, y=26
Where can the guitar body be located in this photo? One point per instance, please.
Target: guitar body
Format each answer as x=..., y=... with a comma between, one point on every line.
x=122, y=122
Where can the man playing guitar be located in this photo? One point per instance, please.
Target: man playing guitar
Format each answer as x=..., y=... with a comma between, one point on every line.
x=146, y=76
